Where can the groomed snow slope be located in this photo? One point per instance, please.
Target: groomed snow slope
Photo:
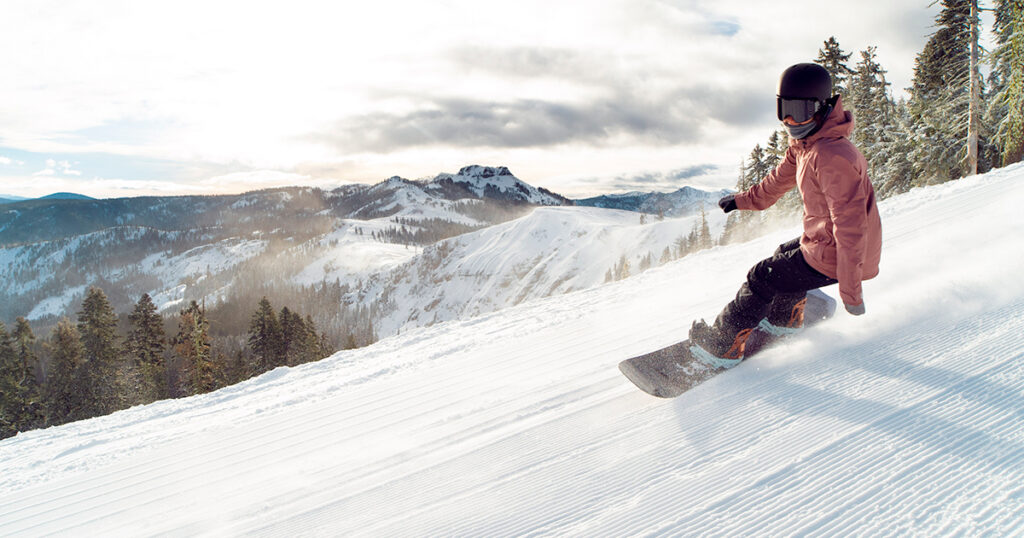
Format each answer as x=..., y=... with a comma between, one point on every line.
x=909, y=420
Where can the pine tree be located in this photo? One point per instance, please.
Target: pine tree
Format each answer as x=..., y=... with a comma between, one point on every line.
x=775, y=151
x=704, y=240
x=871, y=105
x=973, y=90
x=890, y=163
x=236, y=369
x=66, y=389
x=145, y=345
x=622, y=269
x=682, y=245
x=832, y=58
x=292, y=337
x=666, y=256
x=97, y=326
x=757, y=168
x=10, y=397
x=312, y=346
x=734, y=223
x=265, y=338
x=1007, y=103
x=646, y=262
x=940, y=97
x=31, y=415
x=192, y=344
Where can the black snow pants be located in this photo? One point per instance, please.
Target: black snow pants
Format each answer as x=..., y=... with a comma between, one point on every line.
x=773, y=289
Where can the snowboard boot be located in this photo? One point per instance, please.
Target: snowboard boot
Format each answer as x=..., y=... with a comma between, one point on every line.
x=767, y=332
x=715, y=349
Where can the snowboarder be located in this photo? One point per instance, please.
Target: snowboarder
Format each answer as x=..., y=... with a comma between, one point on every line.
x=842, y=237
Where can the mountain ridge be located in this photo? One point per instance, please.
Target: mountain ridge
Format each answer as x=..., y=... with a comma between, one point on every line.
x=684, y=201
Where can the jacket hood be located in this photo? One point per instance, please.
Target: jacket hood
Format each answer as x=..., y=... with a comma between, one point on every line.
x=839, y=124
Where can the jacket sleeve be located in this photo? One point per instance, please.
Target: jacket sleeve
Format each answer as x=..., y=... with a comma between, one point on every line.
x=848, y=195
x=777, y=183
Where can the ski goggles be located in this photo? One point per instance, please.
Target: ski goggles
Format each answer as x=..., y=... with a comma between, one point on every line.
x=801, y=109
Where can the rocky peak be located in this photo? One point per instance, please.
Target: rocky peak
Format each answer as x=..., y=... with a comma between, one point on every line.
x=475, y=170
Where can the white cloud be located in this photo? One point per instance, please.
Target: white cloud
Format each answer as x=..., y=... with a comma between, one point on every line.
x=55, y=167
x=246, y=84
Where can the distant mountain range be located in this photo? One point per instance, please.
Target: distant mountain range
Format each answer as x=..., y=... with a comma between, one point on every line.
x=10, y=199
x=180, y=248
x=683, y=202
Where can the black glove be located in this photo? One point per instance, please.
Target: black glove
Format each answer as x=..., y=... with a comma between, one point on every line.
x=857, y=310
x=728, y=203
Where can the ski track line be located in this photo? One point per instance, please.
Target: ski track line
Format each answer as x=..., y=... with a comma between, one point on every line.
x=395, y=492
x=828, y=480
x=831, y=479
x=556, y=438
x=356, y=411
x=838, y=469
x=973, y=470
x=256, y=434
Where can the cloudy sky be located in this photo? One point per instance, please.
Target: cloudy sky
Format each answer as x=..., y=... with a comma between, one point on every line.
x=128, y=98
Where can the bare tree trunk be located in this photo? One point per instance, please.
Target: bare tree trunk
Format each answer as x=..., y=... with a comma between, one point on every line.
x=975, y=105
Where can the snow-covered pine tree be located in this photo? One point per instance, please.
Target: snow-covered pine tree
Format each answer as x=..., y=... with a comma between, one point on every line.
x=940, y=97
x=869, y=101
x=774, y=153
x=974, y=106
x=832, y=58
x=875, y=116
x=1007, y=102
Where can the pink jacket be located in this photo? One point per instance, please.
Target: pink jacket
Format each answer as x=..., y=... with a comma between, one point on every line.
x=842, y=235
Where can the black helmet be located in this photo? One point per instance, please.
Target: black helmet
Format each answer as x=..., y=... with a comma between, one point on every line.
x=806, y=81
x=805, y=92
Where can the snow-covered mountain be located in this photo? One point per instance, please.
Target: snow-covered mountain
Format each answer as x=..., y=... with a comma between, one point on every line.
x=906, y=421
x=496, y=183
x=191, y=247
x=683, y=202
x=551, y=251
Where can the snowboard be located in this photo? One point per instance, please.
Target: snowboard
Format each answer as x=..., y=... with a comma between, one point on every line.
x=673, y=370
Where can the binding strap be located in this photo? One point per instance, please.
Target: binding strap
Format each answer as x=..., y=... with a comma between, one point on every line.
x=775, y=330
x=711, y=360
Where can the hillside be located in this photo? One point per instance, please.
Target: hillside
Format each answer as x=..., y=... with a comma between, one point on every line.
x=906, y=421
x=185, y=248
x=551, y=251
